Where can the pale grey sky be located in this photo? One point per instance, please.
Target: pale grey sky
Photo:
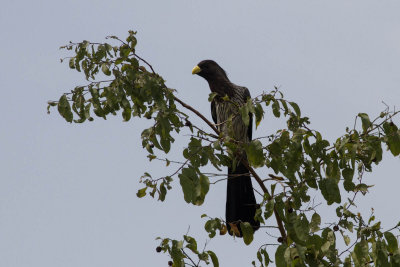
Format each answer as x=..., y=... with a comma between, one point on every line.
x=68, y=192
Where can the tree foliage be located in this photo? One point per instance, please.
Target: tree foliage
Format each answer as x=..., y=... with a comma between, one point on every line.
x=302, y=162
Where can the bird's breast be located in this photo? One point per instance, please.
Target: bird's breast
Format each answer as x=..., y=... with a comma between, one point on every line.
x=229, y=121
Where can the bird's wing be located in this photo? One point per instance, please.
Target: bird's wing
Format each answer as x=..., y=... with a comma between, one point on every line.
x=214, y=111
x=250, y=128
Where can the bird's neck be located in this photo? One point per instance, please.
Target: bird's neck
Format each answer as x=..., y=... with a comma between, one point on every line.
x=221, y=86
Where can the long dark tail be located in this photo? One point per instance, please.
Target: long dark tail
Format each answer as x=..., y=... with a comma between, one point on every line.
x=241, y=203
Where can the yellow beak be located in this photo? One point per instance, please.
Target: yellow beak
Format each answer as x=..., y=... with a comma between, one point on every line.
x=196, y=70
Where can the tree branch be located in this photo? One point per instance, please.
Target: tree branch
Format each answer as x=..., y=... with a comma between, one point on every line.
x=197, y=113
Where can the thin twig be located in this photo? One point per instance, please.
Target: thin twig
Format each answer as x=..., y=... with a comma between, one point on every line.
x=219, y=180
x=180, y=168
x=171, y=161
x=205, y=133
x=269, y=226
x=257, y=192
x=197, y=113
x=397, y=226
x=344, y=251
x=187, y=256
x=147, y=63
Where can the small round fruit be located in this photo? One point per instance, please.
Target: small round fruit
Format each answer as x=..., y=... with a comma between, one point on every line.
x=158, y=249
x=335, y=228
x=170, y=263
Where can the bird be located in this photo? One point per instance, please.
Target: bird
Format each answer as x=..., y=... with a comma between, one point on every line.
x=241, y=203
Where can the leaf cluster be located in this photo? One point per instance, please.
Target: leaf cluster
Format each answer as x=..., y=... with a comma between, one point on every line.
x=300, y=160
x=185, y=252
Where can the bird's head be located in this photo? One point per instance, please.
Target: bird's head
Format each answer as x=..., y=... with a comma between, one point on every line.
x=210, y=70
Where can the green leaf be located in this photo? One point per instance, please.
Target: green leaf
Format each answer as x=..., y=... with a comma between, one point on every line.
x=297, y=227
x=163, y=192
x=244, y=112
x=247, y=231
x=211, y=96
x=330, y=190
x=393, y=137
x=382, y=255
x=166, y=144
x=296, y=108
x=204, y=187
x=332, y=170
x=347, y=262
x=124, y=51
x=395, y=260
x=192, y=244
x=105, y=69
x=290, y=254
x=280, y=256
x=141, y=192
x=203, y=257
x=72, y=63
x=315, y=222
x=273, y=186
x=275, y=109
x=269, y=209
x=259, y=114
x=126, y=114
x=361, y=251
x=325, y=247
x=118, y=61
x=346, y=239
x=266, y=257
x=363, y=188
x=176, y=252
x=284, y=140
x=194, y=187
x=255, y=153
x=301, y=227
x=366, y=123
x=315, y=241
x=285, y=106
x=108, y=46
x=348, y=184
x=392, y=242
x=259, y=257
x=187, y=180
x=376, y=226
x=214, y=258
x=64, y=108
x=212, y=225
